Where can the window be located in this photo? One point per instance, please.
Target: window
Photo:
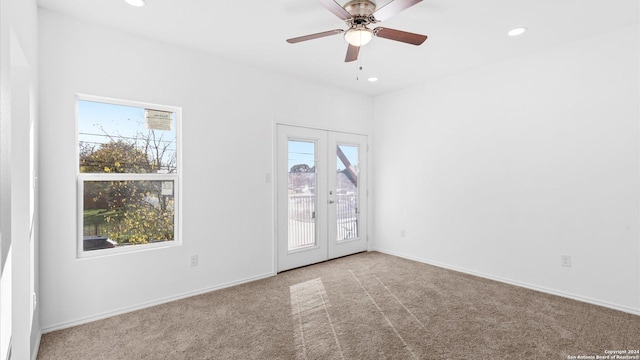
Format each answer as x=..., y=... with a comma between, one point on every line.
x=128, y=175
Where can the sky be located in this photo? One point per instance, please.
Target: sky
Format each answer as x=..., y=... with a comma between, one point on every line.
x=302, y=152
x=114, y=119
x=96, y=120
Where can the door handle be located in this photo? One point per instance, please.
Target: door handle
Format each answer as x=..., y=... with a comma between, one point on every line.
x=331, y=201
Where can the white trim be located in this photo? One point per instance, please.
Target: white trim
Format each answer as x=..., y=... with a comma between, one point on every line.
x=319, y=128
x=149, y=304
x=177, y=239
x=274, y=177
x=322, y=137
x=175, y=177
x=515, y=283
x=127, y=177
x=132, y=103
x=36, y=348
x=274, y=198
x=108, y=100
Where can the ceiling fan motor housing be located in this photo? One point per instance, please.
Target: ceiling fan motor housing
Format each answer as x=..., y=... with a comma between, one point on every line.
x=360, y=8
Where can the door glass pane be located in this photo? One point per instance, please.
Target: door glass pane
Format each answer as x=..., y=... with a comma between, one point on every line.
x=347, y=192
x=302, y=194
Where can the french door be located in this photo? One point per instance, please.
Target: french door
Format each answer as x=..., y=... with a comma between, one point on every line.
x=321, y=195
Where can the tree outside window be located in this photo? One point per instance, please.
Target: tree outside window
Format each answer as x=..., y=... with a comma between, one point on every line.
x=128, y=171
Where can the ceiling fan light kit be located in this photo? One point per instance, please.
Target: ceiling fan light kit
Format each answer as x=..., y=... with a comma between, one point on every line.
x=136, y=3
x=358, y=14
x=358, y=36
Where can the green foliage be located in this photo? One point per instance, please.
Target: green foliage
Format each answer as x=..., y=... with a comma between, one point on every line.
x=134, y=211
x=114, y=157
x=141, y=223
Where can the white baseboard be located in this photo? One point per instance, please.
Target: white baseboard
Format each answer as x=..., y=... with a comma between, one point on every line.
x=515, y=283
x=165, y=300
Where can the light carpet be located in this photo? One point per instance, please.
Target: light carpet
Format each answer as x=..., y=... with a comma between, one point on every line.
x=364, y=306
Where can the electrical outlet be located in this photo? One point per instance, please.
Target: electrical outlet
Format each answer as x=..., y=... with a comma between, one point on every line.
x=403, y=233
x=193, y=260
x=565, y=260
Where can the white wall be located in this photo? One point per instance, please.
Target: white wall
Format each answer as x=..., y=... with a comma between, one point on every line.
x=501, y=170
x=229, y=112
x=18, y=131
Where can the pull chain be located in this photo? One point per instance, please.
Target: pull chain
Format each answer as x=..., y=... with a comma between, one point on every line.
x=359, y=69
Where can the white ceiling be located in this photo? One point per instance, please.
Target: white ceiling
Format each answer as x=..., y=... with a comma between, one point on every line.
x=463, y=34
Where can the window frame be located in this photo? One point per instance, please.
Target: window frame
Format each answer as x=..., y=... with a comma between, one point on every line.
x=86, y=177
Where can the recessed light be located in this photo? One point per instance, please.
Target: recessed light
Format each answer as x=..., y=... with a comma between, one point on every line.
x=517, y=31
x=137, y=3
x=373, y=79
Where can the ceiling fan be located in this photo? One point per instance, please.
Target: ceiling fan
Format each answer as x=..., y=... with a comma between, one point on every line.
x=358, y=14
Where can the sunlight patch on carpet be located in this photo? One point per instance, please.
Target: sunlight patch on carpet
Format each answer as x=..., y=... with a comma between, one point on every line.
x=315, y=334
x=378, y=305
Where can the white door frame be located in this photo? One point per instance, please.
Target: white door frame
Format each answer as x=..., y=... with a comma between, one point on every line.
x=360, y=243
x=327, y=246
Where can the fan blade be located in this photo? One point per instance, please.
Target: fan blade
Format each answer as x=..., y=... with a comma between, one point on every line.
x=398, y=35
x=393, y=8
x=314, y=36
x=336, y=9
x=352, y=53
